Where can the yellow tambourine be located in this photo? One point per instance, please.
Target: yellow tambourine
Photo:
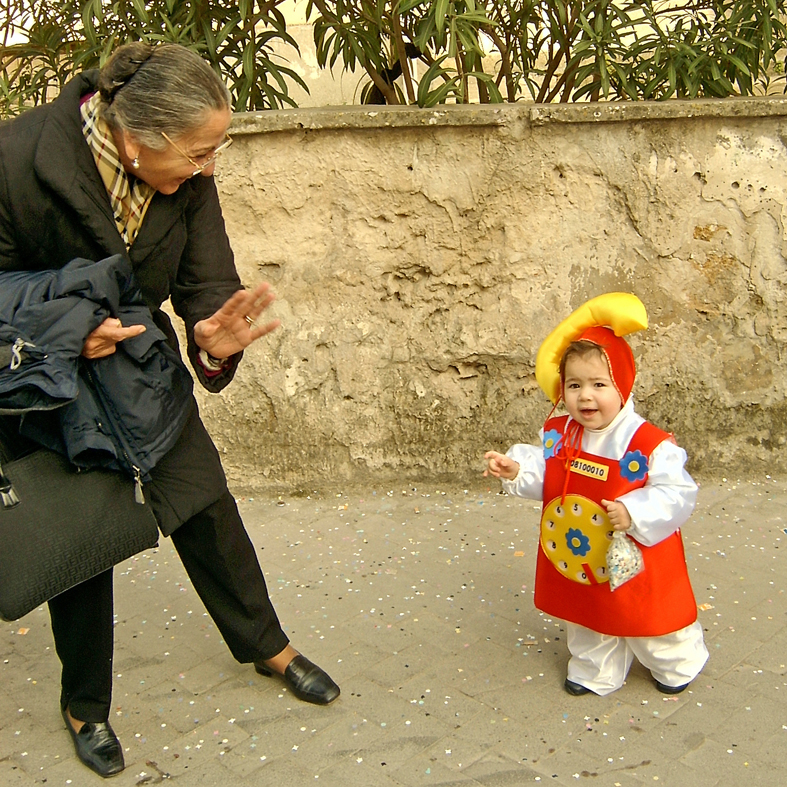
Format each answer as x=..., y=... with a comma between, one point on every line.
x=623, y=312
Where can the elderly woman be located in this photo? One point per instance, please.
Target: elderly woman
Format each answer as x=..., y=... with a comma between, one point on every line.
x=122, y=163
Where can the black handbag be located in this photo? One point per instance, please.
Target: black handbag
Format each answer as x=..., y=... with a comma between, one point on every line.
x=60, y=527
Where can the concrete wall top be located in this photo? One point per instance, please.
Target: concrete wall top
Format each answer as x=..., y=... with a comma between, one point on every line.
x=365, y=117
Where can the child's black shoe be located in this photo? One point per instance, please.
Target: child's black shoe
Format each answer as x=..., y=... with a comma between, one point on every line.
x=575, y=688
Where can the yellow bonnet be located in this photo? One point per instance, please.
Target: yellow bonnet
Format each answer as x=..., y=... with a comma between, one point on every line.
x=623, y=312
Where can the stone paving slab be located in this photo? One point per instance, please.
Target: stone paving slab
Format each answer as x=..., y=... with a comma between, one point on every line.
x=418, y=600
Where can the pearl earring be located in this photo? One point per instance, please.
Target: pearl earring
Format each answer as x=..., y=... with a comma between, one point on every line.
x=135, y=162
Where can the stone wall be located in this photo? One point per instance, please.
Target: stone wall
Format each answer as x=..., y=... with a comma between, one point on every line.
x=421, y=256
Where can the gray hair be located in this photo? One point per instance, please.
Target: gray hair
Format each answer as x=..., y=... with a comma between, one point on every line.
x=146, y=90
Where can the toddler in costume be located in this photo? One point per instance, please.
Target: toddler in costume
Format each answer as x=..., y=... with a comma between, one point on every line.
x=599, y=469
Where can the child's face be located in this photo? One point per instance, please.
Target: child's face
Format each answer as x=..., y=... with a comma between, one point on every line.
x=590, y=397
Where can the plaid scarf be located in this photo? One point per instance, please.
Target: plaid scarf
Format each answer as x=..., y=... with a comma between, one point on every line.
x=128, y=196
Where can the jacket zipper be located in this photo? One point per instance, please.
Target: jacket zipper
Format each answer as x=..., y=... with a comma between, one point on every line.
x=139, y=496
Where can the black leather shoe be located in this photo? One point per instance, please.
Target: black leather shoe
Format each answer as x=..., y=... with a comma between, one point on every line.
x=306, y=681
x=575, y=688
x=664, y=689
x=97, y=746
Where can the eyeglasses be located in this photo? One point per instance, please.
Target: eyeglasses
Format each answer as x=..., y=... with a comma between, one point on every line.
x=209, y=159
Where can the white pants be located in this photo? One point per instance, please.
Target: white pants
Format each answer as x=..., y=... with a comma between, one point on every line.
x=601, y=662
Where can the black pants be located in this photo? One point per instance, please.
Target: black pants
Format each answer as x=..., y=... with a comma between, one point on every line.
x=222, y=564
x=188, y=487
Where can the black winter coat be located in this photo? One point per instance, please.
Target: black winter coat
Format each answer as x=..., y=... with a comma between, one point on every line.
x=54, y=208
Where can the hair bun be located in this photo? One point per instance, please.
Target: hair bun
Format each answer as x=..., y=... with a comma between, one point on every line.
x=124, y=63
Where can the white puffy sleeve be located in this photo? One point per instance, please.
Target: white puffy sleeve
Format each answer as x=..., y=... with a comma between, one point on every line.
x=530, y=479
x=666, y=501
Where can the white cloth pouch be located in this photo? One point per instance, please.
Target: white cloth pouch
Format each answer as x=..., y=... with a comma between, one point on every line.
x=624, y=559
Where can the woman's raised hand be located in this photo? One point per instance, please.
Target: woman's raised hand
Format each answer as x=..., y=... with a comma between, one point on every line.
x=234, y=326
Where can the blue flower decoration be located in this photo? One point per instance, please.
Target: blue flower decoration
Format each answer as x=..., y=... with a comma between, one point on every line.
x=551, y=440
x=577, y=542
x=634, y=466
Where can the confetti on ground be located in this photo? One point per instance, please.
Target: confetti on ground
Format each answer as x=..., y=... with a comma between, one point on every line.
x=413, y=600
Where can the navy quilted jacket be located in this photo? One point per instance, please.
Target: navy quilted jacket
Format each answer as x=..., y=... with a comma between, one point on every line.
x=121, y=412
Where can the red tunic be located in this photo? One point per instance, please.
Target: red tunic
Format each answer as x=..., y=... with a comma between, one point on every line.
x=571, y=573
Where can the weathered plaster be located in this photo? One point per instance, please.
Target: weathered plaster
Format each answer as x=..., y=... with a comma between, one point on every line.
x=421, y=256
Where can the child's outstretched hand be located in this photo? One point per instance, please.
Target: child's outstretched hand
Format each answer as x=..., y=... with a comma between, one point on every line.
x=618, y=514
x=500, y=466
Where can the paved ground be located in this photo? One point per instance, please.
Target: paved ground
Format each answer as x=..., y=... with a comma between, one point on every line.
x=419, y=603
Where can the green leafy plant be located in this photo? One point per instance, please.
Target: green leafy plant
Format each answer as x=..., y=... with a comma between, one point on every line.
x=45, y=41
x=557, y=50
x=423, y=52
x=386, y=38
